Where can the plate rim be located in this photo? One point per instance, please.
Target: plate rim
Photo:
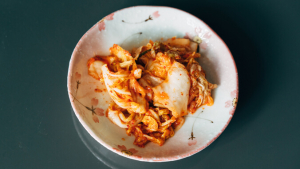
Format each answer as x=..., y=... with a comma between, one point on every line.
x=148, y=159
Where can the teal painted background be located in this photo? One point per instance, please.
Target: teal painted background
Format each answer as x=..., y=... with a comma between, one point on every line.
x=36, y=124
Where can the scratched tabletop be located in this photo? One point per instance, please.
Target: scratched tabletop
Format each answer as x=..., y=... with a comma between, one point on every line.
x=38, y=128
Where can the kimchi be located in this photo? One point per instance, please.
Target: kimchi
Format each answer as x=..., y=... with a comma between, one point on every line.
x=153, y=87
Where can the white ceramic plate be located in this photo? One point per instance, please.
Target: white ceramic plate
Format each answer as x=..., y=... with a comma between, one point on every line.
x=133, y=27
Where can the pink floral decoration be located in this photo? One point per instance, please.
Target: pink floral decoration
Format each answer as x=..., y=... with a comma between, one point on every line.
x=192, y=142
x=203, y=45
x=77, y=76
x=101, y=25
x=122, y=147
x=133, y=150
x=95, y=118
x=198, y=30
x=228, y=103
x=155, y=14
x=109, y=17
x=94, y=101
x=233, y=93
x=207, y=35
x=99, y=112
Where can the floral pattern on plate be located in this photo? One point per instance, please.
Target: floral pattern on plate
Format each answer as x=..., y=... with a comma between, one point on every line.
x=90, y=100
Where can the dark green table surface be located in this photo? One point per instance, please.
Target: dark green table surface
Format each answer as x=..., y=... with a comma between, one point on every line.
x=37, y=128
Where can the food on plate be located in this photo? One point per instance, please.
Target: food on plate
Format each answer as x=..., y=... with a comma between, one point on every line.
x=153, y=87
